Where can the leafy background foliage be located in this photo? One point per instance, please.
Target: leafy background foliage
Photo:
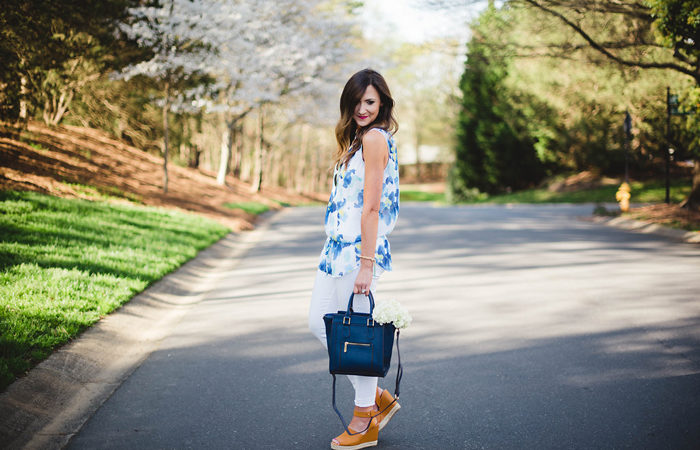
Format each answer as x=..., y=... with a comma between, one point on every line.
x=533, y=82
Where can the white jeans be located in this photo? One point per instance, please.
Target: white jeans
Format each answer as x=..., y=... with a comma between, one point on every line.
x=331, y=295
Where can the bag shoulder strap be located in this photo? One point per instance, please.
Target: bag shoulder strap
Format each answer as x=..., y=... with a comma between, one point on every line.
x=399, y=375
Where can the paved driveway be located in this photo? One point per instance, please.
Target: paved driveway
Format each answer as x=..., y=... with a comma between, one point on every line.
x=532, y=329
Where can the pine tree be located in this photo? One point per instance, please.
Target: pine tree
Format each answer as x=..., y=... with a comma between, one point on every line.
x=494, y=151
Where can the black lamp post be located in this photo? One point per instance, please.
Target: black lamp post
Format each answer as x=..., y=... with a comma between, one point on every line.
x=628, y=136
x=672, y=109
x=667, y=152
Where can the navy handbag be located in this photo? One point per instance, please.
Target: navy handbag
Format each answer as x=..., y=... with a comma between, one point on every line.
x=357, y=345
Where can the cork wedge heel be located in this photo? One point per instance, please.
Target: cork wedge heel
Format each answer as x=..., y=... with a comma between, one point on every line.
x=383, y=400
x=361, y=440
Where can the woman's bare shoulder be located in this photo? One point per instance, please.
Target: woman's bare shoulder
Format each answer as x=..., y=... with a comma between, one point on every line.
x=374, y=138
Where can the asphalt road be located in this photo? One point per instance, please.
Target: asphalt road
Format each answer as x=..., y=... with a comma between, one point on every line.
x=532, y=329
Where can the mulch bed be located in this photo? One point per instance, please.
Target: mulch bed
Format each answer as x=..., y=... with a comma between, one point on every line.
x=671, y=215
x=60, y=161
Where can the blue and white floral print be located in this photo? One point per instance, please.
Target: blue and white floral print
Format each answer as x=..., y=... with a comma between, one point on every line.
x=341, y=253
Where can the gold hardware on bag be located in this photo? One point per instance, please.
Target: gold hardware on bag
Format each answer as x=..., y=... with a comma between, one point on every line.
x=346, y=317
x=354, y=343
x=370, y=321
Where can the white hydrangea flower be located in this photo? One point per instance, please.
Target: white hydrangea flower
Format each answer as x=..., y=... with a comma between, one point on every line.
x=391, y=310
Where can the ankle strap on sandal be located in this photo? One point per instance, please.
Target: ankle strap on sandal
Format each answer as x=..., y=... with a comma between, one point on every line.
x=369, y=413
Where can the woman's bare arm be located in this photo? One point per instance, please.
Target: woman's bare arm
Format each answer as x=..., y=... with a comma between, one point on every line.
x=376, y=155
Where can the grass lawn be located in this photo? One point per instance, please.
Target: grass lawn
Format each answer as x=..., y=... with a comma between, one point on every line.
x=421, y=196
x=642, y=192
x=249, y=207
x=66, y=263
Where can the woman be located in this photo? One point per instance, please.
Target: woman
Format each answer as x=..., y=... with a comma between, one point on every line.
x=362, y=211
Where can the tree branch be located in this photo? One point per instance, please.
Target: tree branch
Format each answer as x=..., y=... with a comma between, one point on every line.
x=604, y=51
x=637, y=10
x=570, y=47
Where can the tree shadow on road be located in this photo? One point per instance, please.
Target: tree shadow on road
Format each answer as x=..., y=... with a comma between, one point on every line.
x=271, y=389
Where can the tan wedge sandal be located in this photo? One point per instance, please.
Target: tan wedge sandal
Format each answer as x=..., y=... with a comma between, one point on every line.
x=360, y=440
x=383, y=400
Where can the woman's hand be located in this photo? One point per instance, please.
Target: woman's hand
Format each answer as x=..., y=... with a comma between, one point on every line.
x=364, y=279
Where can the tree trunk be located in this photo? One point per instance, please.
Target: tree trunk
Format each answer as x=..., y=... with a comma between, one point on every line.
x=259, y=150
x=63, y=103
x=185, y=146
x=225, y=157
x=693, y=201
x=60, y=107
x=301, y=183
x=166, y=107
x=23, y=92
x=45, y=112
x=246, y=155
x=418, y=143
x=237, y=156
x=194, y=156
x=272, y=166
x=315, y=170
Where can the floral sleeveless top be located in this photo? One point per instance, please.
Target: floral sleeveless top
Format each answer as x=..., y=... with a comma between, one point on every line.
x=341, y=252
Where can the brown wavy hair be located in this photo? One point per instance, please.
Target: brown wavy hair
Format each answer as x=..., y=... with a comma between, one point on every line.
x=347, y=134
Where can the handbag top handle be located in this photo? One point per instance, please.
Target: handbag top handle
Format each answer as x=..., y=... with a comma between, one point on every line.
x=371, y=303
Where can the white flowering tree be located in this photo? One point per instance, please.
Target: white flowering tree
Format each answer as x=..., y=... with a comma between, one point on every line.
x=257, y=52
x=179, y=32
x=282, y=48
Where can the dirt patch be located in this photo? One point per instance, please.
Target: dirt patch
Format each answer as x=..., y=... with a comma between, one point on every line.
x=78, y=162
x=581, y=181
x=669, y=215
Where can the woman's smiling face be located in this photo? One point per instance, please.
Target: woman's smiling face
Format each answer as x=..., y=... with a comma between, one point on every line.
x=368, y=108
